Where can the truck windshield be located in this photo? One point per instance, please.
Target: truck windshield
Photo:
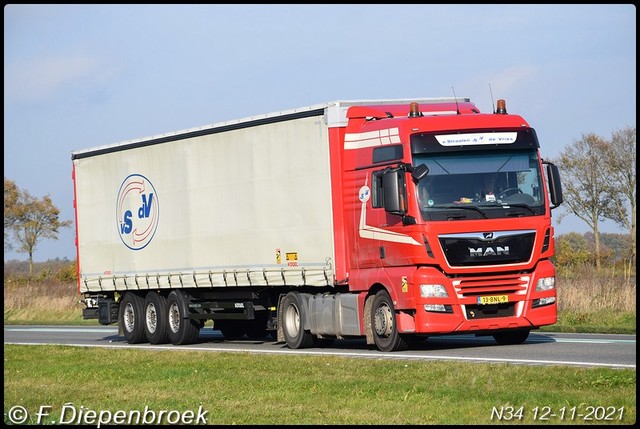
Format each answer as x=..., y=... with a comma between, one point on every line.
x=474, y=184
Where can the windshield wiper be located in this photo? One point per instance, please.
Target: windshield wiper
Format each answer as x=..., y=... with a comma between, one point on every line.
x=524, y=206
x=471, y=207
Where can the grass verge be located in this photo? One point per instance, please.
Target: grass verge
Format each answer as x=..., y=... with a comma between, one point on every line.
x=248, y=389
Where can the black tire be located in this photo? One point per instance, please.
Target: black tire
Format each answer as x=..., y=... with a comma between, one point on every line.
x=231, y=329
x=383, y=323
x=180, y=328
x=131, y=318
x=517, y=336
x=155, y=318
x=292, y=314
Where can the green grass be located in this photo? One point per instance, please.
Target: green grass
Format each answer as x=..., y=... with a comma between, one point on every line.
x=605, y=321
x=257, y=389
x=43, y=317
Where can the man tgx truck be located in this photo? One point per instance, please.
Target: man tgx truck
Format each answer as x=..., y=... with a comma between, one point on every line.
x=346, y=219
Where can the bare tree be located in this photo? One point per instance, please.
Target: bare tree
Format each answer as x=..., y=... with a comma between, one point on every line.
x=588, y=192
x=621, y=165
x=36, y=219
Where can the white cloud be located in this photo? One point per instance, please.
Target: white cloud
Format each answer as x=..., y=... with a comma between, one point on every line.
x=509, y=80
x=43, y=78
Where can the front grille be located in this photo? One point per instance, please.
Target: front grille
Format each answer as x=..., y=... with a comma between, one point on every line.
x=488, y=248
x=491, y=285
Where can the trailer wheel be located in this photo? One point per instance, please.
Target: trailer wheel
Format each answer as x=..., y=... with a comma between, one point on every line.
x=181, y=329
x=383, y=322
x=292, y=315
x=155, y=318
x=131, y=318
x=518, y=336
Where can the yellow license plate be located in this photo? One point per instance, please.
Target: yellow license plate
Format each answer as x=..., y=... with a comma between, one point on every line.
x=494, y=299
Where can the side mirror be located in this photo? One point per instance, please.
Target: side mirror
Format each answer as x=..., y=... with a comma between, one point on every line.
x=394, y=193
x=555, y=187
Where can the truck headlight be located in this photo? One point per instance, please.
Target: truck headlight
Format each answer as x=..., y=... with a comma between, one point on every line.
x=541, y=302
x=546, y=283
x=433, y=291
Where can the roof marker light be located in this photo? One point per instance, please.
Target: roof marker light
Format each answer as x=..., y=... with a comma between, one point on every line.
x=414, y=110
x=502, y=107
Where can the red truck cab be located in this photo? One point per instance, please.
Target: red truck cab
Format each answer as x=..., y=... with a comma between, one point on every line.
x=453, y=256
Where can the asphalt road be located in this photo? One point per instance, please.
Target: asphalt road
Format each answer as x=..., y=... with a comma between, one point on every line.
x=585, y=350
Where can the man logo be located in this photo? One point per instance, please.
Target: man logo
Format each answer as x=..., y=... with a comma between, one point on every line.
x=488, y=251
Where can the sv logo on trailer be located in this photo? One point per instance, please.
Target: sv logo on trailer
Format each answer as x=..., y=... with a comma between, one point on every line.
x=137, y=212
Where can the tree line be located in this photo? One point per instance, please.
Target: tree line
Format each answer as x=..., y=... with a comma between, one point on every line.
x=577, y=250
x=599, y=183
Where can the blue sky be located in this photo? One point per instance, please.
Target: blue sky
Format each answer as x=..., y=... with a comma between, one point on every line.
x=79, y=76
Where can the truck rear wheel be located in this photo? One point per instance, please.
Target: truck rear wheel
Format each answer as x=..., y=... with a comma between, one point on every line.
x=181, y=329
x=383, y=321
x=131, y=318
x=292, y=314
x=155, y=318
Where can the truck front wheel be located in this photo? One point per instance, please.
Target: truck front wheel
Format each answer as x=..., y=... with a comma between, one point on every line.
x=131, y=318
x=383, y=323
x=292, y=314
x=155, y=318
x=181, y=329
